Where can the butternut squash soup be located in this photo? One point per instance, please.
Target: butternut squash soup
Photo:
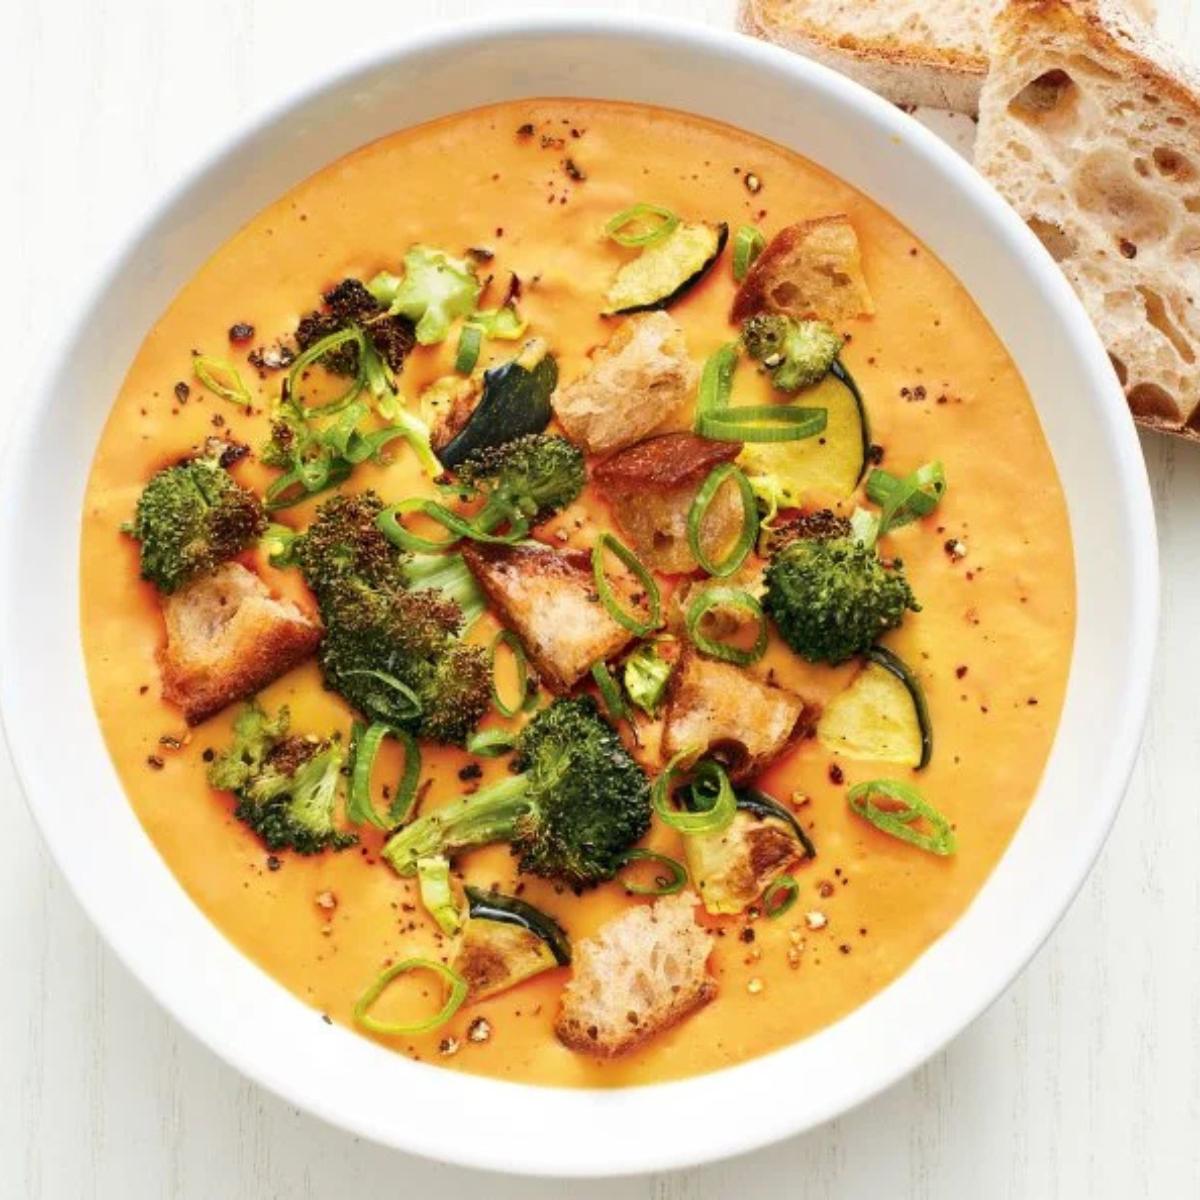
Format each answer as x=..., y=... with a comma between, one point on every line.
x=577, y=593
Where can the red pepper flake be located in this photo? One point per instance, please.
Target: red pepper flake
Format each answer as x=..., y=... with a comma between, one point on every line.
x=154, y=762
x=526, y=130
x=574, y=170
x=182, y=392
x=959, y=672
x=836, y=775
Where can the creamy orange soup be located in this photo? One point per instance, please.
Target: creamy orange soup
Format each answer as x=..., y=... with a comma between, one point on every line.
x=991, y=644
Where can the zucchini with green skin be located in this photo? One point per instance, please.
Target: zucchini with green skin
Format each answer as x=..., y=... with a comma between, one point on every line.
x=515, y=402
x=506, y=941
x=881, y=717
x=666, y=269
x=731, y=868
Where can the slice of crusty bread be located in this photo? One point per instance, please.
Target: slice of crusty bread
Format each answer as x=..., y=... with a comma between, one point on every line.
x=227, y=637
x=1090, y=128
x=932, y=52
x=642, y=972
x=638, y=379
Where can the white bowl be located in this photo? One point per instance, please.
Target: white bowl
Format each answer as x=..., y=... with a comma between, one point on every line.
x=252, y=1022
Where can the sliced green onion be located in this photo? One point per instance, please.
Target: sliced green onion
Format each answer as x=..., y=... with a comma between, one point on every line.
x=905, y=807
x=748, y=244
x=456, y=994
x=716, y=381
x=699, y=510
x=906, y=499
x=762, y=423
x=642, y=225
x=664, y=885
x=279, y=542
x=318, y=350
x=360, y=808
x=506, y=637
x=504, y=324
x=606, y=541
x=782, y=892
x=210, y=370
x=610, y=690
x=470, y=342
x=394, y=530
x=397, y=685
x=491, y=743
x=433, y=881
x=726, y=597
x=721, y=803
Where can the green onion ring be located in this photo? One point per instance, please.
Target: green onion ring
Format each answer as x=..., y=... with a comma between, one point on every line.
x=713, y=819
x=606, y=541
x=663, y=887
x=716, y=381
x=396, y=685
x=454, y=998
x=762, y=423
x=360, y=807
x=748, y=244
x=716, y=597
x=394, y=530
x=906, y=499
x=233, y=389
x=909, y=807
x=667, y=223
x=437, y=894
x=491, y=743
x=699, y=510
x=776, y=904
x=318, y=350
x=470, y=341
x=610, y=690
x=506, y=637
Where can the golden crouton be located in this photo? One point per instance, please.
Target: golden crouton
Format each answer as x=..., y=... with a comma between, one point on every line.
x=729, y=714
x=651, y=486
x=548, y=598
x=637, y=380
x=810, y=269
x=227, y=637
x=641, y=973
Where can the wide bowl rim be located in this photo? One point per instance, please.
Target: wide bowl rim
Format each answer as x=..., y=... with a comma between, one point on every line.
x=574, y=1156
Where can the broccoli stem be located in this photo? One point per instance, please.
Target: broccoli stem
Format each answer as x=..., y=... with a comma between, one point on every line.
x=488, y=816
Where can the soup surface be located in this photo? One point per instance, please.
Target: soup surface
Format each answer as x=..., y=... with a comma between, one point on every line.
x=534, y=183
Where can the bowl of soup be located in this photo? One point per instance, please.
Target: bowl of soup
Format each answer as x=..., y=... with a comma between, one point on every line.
x=580, y=599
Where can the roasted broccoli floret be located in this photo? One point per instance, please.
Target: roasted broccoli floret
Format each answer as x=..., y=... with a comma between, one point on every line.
x=647, y=673
x=434, y=289
x=450, y=575
x=191, y=518
x=797, y=353
x=393, y=653
x=528, y=479
x=832, y=597
x=286, y=785
x=350, y=303
x=579, y=804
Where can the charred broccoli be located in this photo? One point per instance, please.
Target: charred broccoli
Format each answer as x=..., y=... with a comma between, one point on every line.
x=579, y=804
x=450, y=575
x=191, y=518
x=797, y=353
x=286, y=786
x=832, y=597
x=393, y=653
x=526, y=480
x=350, y=303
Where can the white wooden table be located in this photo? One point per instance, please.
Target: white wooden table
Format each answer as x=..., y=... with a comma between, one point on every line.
x=1083, y=1080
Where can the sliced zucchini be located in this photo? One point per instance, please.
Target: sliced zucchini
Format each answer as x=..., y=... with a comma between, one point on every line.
x=515, y=402
x=882, y=716
x=506, y=941
x=731, y=868
x=666, y=269
x=832, y=462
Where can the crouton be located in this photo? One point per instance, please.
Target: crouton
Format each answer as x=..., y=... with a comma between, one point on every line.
x=227, y=637
x=548, y=598
x=739, y=720
x=641, y=973
x=651, y=486
x=637, y=380
x=810, y=269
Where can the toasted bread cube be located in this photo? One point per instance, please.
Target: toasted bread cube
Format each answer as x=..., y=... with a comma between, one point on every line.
x=548, y=599
x=641, y=973
x=651, y=486
x=227, y=637
x=637, y=380
x=810, y=269
x=729, y=714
